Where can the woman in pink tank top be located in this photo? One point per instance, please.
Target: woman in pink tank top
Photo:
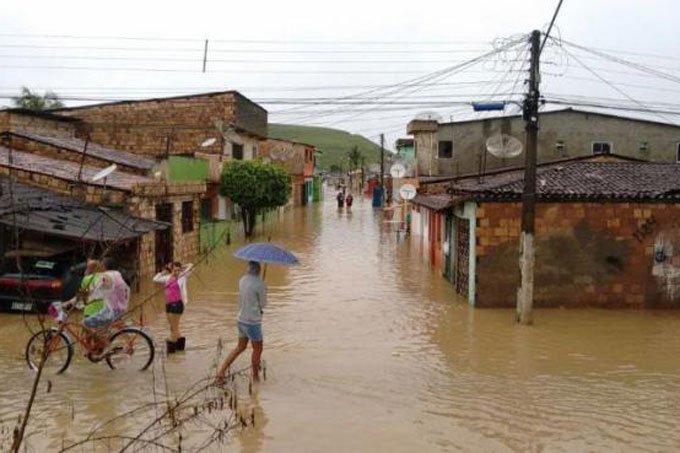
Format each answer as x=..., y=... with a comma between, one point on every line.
x=174, y=277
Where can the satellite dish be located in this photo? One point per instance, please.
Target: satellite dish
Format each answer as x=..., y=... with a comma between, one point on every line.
x=429, y=116
x=104, y=173
x=397, y=171
x=408, y=191
x=209, y=142
x=504, y=146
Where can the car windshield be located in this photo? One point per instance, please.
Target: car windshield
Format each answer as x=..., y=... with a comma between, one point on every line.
x=34, y=267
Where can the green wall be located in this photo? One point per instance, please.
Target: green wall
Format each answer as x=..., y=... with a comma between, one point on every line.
x=181, y=168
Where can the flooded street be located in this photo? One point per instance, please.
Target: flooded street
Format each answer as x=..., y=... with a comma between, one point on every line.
x=368, y=350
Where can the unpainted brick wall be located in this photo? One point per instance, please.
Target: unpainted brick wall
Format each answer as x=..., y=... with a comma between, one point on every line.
x=609, y=255
x=145, y=127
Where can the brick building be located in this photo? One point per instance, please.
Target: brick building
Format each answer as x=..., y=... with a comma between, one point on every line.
x=57, y=160
x=607, y=234
x=459, y=147
x=299, y=159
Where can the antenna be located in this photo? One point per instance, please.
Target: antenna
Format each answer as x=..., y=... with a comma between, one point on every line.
x=504, y=146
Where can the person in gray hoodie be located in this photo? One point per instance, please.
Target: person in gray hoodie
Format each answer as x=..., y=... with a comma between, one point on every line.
x=252, y=299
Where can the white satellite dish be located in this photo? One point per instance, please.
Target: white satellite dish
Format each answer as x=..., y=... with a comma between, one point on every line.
x=228, y=133
x=504, y=146
x=408, y=191
x=104, y=173
x=397, y=171
x=209, y=142
x=429, y=116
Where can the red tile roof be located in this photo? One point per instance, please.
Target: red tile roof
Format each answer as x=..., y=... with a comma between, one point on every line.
x=581, y=180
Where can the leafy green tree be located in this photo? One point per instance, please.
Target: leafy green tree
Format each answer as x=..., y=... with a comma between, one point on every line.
x=33, y=101
x=354, y=158
x=254, y=186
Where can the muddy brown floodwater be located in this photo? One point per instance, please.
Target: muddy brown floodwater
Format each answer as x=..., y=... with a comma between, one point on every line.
x=367, y=350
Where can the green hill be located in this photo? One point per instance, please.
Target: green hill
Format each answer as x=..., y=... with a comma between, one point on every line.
x=334, y=143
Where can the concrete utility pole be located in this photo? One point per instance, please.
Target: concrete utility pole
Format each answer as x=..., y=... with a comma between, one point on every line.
x=525, y=293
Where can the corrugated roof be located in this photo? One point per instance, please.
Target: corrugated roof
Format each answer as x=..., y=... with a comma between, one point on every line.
x=68, y=170
x=437, y=202
x=36, y=209
x=93, y=149
x=582, y=180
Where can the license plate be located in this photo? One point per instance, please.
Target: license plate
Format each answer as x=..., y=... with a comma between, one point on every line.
x=22, y=306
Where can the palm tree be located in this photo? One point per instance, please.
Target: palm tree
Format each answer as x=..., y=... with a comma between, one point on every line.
x=33, y=101
x=354, y=157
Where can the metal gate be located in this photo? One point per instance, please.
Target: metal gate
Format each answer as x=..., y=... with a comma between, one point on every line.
x=462, y=256
x=164, y=237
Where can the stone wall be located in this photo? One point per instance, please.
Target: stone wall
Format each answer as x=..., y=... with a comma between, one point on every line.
x=172, y=125
x=608, y=255
x=143, y=204
x=575, y=131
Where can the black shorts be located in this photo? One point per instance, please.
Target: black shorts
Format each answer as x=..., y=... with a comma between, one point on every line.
x=176, y=308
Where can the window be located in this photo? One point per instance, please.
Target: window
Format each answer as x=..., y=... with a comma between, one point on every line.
x=445, y=149
x=187, y=216
x=644, y=147
x=602, y=147
x=237, y=151
x=253, y=150
x=560, y=146
x=677, y=152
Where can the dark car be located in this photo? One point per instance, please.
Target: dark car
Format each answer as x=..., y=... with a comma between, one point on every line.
x=45, y=279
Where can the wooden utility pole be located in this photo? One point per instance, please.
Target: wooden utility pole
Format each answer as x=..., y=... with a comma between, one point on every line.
x=382, y=162
x=525, y=293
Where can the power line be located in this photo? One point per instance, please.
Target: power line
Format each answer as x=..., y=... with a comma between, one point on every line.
x=552, y=22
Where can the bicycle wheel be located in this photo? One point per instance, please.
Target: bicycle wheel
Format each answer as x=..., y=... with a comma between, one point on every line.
x=59, y=352
x=131, y=349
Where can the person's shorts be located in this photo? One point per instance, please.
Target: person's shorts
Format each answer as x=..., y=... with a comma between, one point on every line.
x=176, y=308
x=253, y=332
x=101, y=318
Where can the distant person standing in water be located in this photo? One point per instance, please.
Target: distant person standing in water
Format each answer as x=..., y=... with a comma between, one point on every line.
x=341, y=199
x=252, y=298
x=349, y=200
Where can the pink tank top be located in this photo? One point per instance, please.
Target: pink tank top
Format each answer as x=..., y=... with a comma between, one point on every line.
x=172, y=291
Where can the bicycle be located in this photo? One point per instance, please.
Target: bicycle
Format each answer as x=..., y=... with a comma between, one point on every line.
x=128, y=347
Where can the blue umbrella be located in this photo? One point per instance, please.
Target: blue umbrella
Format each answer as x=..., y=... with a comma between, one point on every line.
x=264, y=252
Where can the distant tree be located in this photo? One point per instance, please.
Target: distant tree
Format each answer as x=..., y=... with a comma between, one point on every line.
x=335, y=169
x=254, y=186
x=33, y=101
x=354, y=158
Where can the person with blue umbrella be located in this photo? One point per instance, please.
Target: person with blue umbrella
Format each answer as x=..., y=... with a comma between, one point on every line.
x=252, y=299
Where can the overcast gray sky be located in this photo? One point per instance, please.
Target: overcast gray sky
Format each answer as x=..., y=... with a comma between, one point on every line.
x=337, y=53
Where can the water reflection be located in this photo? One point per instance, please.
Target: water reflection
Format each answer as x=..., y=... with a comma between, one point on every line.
x=368, y=350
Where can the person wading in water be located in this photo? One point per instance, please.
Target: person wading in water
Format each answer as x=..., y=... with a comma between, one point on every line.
x=174, y=278
x=252, y=299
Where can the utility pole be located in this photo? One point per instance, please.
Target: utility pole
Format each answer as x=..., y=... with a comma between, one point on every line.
x=382, y=162
x=525, y=293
